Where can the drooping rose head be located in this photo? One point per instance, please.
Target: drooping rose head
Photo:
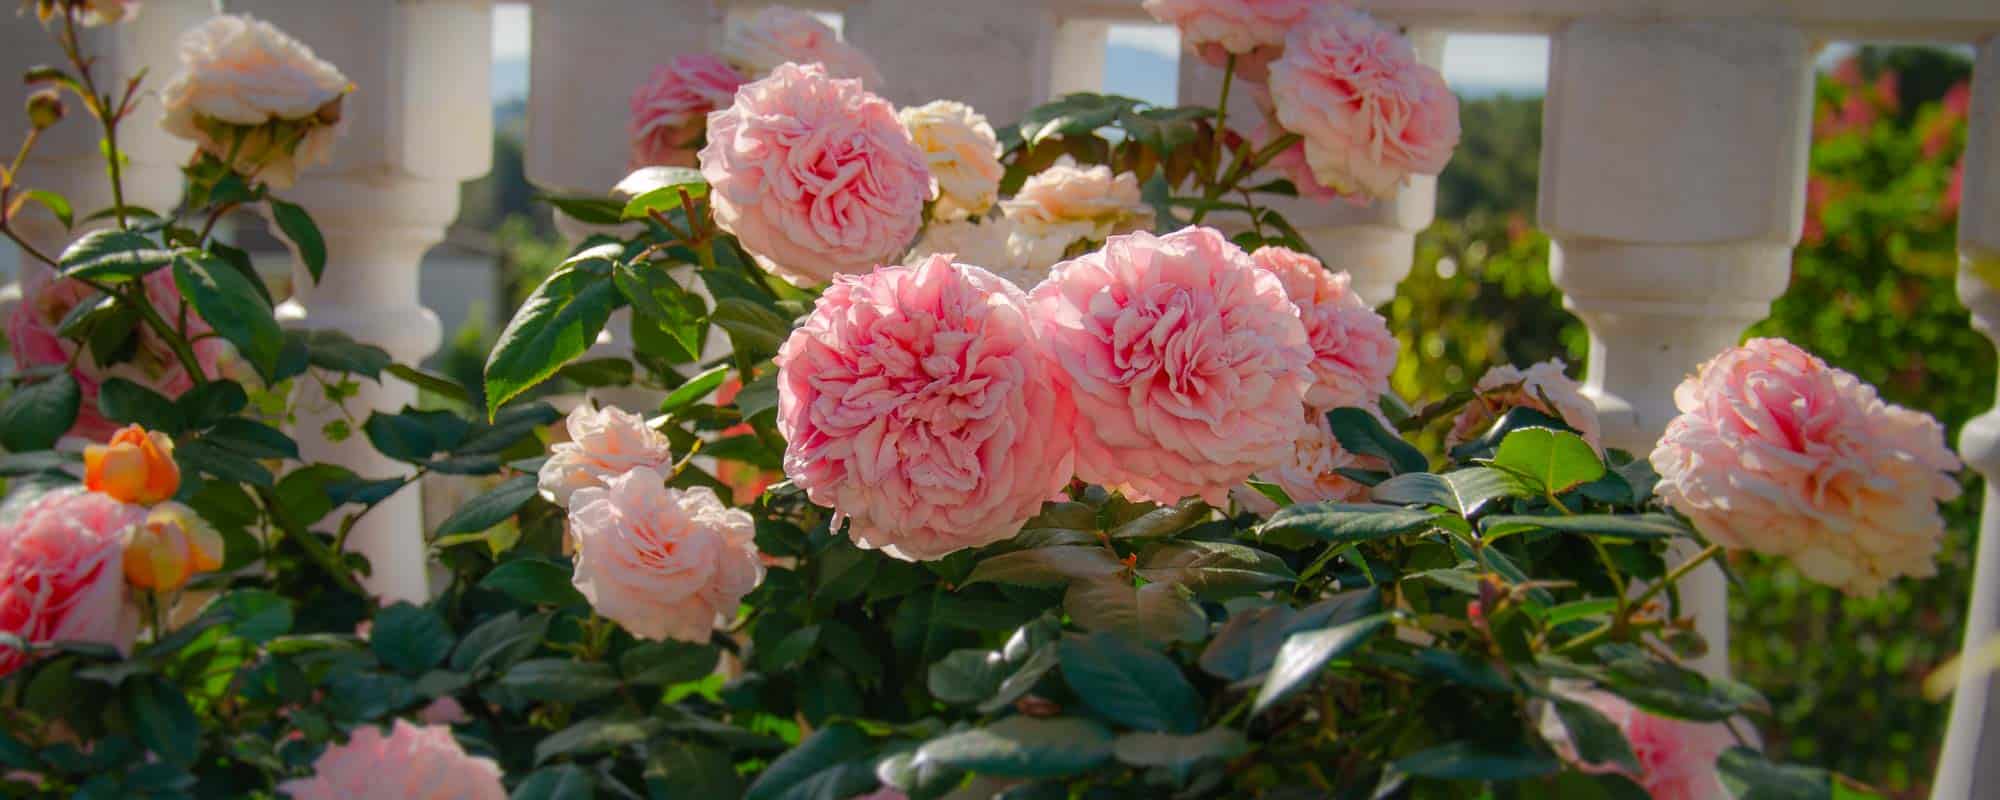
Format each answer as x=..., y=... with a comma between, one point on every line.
x=603, y=444
x=1542, y=387
x=1353, y=351
x=1188, y=364
x=247, y=89
x=670, y=110
x=1252, y=30
x=172, y=545
x=963, y=153
x=664, y=563
x=1676, y=757
x=1065, y=204
x=417, y=762
x=32, y=338
x=1776, y=452
x=779, y=35
x=62, y=573
x=136, y=466
x=1312, y=473
x=917, y=403
x=1370, y=113
x=814, y=175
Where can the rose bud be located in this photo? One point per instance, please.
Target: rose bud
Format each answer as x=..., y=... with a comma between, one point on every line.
x=45, y=109
x=171, y=546
x=136, y=466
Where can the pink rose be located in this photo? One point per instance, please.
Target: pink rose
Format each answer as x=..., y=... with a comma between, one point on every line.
x=814, y=175
x=1290, y=163
x=1188, y=364
x=46, y=298
x=1370, y=113
x=1353, y=351
x=664, y=563
x=1776, y=452
x=1676, y=757
x=1311, y=474
x=603, y=444
x=670, y=110
x=443, y=711
x=777, y=35
x=62, y=575
x=1251, y=30
x=916, y=402
x=415, y=762
x=1542, y=387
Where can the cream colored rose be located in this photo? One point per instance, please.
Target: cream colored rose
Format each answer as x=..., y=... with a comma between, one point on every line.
x=963, y=154
x=251, y=94
x=602, y=445
x=1066, y=203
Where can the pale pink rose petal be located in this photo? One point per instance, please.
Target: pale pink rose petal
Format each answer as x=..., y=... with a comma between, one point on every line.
x=62, y=574
x=1252, y=30
x=1542, y=387
x=1312, y=473
x=670, y=110
x=663, y=563
x=412, y=762
x=1676, y=757
x=603, y=444
x=779, y=34
x=1353, y=351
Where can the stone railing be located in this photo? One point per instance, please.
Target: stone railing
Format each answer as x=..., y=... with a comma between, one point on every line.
x=1672, y=179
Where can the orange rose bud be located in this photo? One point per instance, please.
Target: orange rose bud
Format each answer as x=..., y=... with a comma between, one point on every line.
x=171, y=546
x=137, y=466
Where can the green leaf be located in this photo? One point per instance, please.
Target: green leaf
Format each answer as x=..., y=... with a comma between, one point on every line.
x=659, y=190
x=1749, y=776
x=753, y=329
x=1129, y=684
x=203, y=457
x=1476, y=762
x=596, y=734
x=1247, y=644
x=38, y=414
x=1179, y=752
x=1617, y=526
x=598, y=372
x=113, y=256
x=55, y=203
x=917, y=782
x=240, y=261
x=414, y=436
x=1163, y=521
x=1156, y=612
x=163, y=720
x=587, y=209
x=1022, y=747
x=560, y=680
x=123, y=401
x=668, y=663
x=559, y=321
x=1304, y=654
x=966, y=677
x=251, y=439
x=499, y=642
x=1596, y=738
x=695, y=389
x=1342, y=522
x=212, y=402
x=829, y=764
x=560, y=782
x=661, y=300
x=533, y=581
x=335, y=350
x=431, y=382
x=1214, y=569
x=681, y=771
x=298, y=226
x=232, y=306
x=1046, y=566
x=491, y=508
x=1553, y=461
x=254, y=614
x=1072, y=115
x=1465, y=492
x=1361, y=433
x=409, y=638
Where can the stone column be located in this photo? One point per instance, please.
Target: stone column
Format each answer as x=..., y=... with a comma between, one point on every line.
x=995, y=57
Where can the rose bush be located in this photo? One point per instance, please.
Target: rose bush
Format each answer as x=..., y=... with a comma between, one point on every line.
x=1094, y=487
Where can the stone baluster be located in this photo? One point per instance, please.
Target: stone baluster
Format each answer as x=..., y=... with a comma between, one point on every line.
x=996, y=57
x=1970, y=766
x=419, y=123
x=1673, y=173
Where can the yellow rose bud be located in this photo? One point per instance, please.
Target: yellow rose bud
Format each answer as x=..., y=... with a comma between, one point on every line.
x=137, y=466
x=171, y=546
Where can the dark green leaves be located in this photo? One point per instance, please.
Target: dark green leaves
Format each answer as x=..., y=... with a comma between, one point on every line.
x=1155, y=612
x=533, y=581
x=1046, y=566
x=1305, y=654
x=491, y=508
x=1616, y=526
x=164, y=720
x=696, y=388
x=667, y=663
x=667, y=306
x=37, y=414
x=113, y=256
x=1551, y=461
x=1022, y=747
x=1596, y=738
x=232, y=305
x=1473, y=761
x=831, y=763
x=560, y=782
x=298, y=226
x=1362, y=433
x=409, y=638
x=560, y=680
x=121, y=400
x=659, y=190
x=1342, y=522
x=559, y=321
x=1247, y=644
x=1214, y=569
x=1129, y=684
x=1465, y=492
x=1750, y=777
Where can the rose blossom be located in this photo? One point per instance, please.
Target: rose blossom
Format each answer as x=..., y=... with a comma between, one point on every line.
x=415, y=762
x=1676, y=757
x=247, y=89
x=777, y=35
x=62, y=573
x=964, y=156
x=1542, y=387
x=1290, y=163
x=136, y=466
x=917, y=403
x=1188, y=365
x=996, y=245
x=1774, y=451
x=47, y=298
x=1312, y=473
x=1066, y=203
x=670, y=110
x=1251, y=30
x=1369, y=112
x=664, y=563
x=814, y=175
x=1353, y=351
x=603, y=444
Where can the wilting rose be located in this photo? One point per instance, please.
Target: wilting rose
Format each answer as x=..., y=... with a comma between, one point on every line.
x=136, y=466
x=814, y=175
x=670, y=110
x=1542, y=387
x=34, y=342
x=172, y=545
x=1776, y=452
x=415, y=762
x=249, y=91
x=603, y=444
x=1252, y=30
x=1312, y=473
x=963, y=153
x=777, y=35
x=1188, y=364
x=917, y=403
x=1065, y=204
x=664, y=563
x=62, y=573
x=1353, y=351
x=1370, y=113
x=1676, y=757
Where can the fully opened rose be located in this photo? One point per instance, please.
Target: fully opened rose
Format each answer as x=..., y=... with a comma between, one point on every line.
x=1188, y=364
x=1252, y=30
x=62, y=575
x=603, y=444
x=1066, y=203
x=670, y=110
x=1353, y=351
x=1541, y=387
x=416, y=762
x=917, y=403
x=814, y=175
x=778, y=35
x=663, y=563
x=963, y=153
x=251, y=94
x=1776, y=452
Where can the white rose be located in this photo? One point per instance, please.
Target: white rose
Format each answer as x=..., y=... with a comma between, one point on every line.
x=1071, y=203
x=963, y=154
x=778, y=34
x=249, y=91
